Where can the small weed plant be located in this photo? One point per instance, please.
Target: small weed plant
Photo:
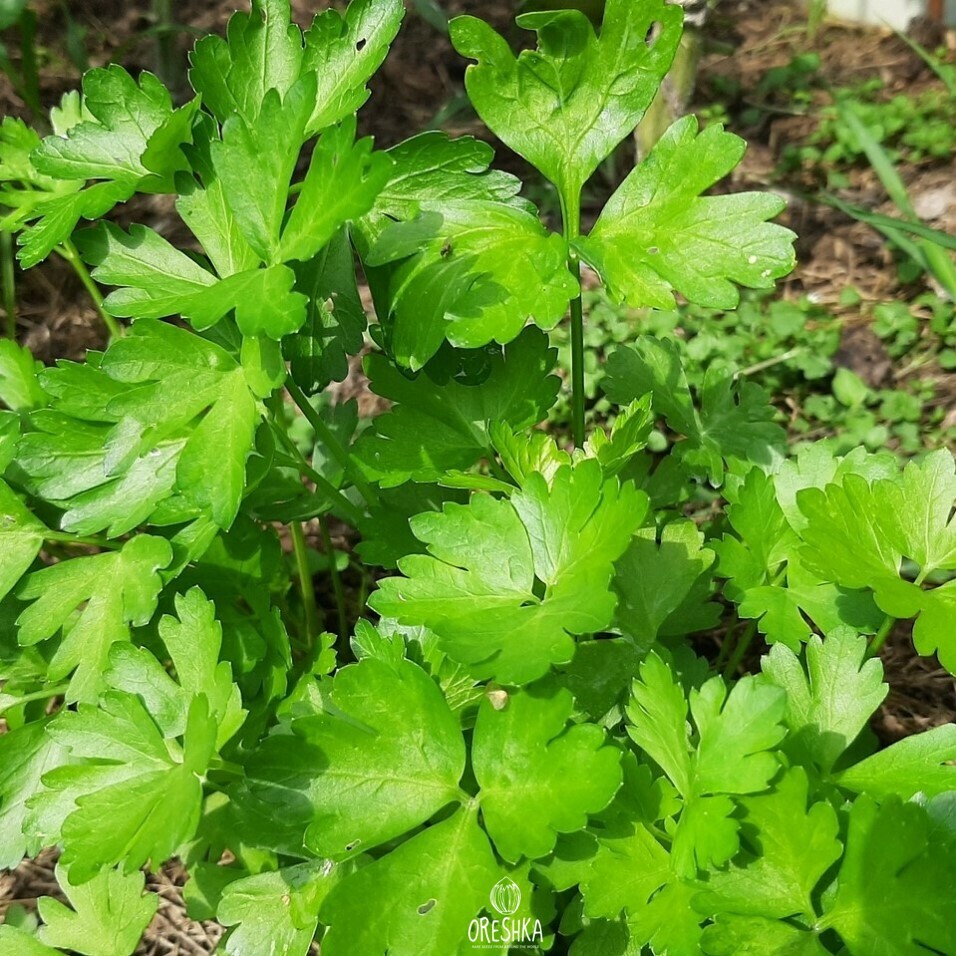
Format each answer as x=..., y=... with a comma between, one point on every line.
x=517, y=748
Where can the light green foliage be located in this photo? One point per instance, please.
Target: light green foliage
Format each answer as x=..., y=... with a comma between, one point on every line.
x=111, y=592
x=131, y=791
x=893, y=886
x=21, y=537
x=659, y=583
x=473, y=272
x=566, y=105
x=571, y=773
x=656, y=234
x=438, y=423
x=108, y=916
x=277, y=912
x=476, y=587
x=858, y=533
x=830, y=702
x=734, y=420
x=357, y=808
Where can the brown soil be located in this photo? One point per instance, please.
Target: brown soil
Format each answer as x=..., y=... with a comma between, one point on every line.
x=420, y=85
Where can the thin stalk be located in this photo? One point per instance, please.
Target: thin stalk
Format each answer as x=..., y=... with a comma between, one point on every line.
x=748, y=634
x=879, y=639
x=320, y=481
x=68, y=251
x=337, y=588
x=571, y=222
x=45, y=693
x=305, y=582
x=63, y=537
x=771, y=362
x=740, y=649
x=9, y=283
x=325, y=435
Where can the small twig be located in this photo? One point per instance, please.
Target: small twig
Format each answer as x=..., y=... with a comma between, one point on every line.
x=337, y=588
x=69, y=252
x=305, y=582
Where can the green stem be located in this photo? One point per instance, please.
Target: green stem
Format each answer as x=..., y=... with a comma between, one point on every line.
x=320, y=481
x=571, y=221
x=879, y=639
x=337, y=588
x=326, y=436
x=305, y=582
x=69, y=252
x=9, y=283
x=45, y=693
x=740, y=649
x=747, y=636
x=64, y=537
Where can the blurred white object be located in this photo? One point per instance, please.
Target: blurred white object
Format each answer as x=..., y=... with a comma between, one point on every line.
x=893, y=13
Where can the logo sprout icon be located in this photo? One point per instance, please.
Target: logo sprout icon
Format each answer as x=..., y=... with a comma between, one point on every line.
x=505, y=896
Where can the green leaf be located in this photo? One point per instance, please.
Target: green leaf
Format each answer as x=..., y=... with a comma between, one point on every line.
x=830, y=703
x=26, y=754
x=858, y=534
x=345, y=51
x=658, y=721
x=894, y=886
x=566, y=105
x=472, y=272
x=21, y=537
x=110, y=913
x=131, y=797
x=114, y=590
x=735, y=420
x=343, y=180
x=262, y=52
x=390, y=756
x=431, y=169
x=566, y=773
x=182, y=376
x=18, y=942
x=158, y=280
x=668, y=923
x=435, y=884
x=125, y=135
x=476, y=588
x=657, y=235
x=119, y=143
x=277, y=912
x=19, y=389
x=437, y=424
x=736, y=734
x=733, y=935
x=655, y=579
x=789, y=849
x=269, y=144
x=629, y=864
x=923, y=763
x=335, y=320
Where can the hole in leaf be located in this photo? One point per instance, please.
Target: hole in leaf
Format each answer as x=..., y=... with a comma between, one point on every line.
x=653, y=32
x=349, y=847
x=426, y=907
x=361, y=44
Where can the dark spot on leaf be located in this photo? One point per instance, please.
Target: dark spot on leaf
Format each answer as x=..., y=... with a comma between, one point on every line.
x=653, y=32
x=361, y=44
x=349, y=847
x=426, y=907
x=653, y=251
